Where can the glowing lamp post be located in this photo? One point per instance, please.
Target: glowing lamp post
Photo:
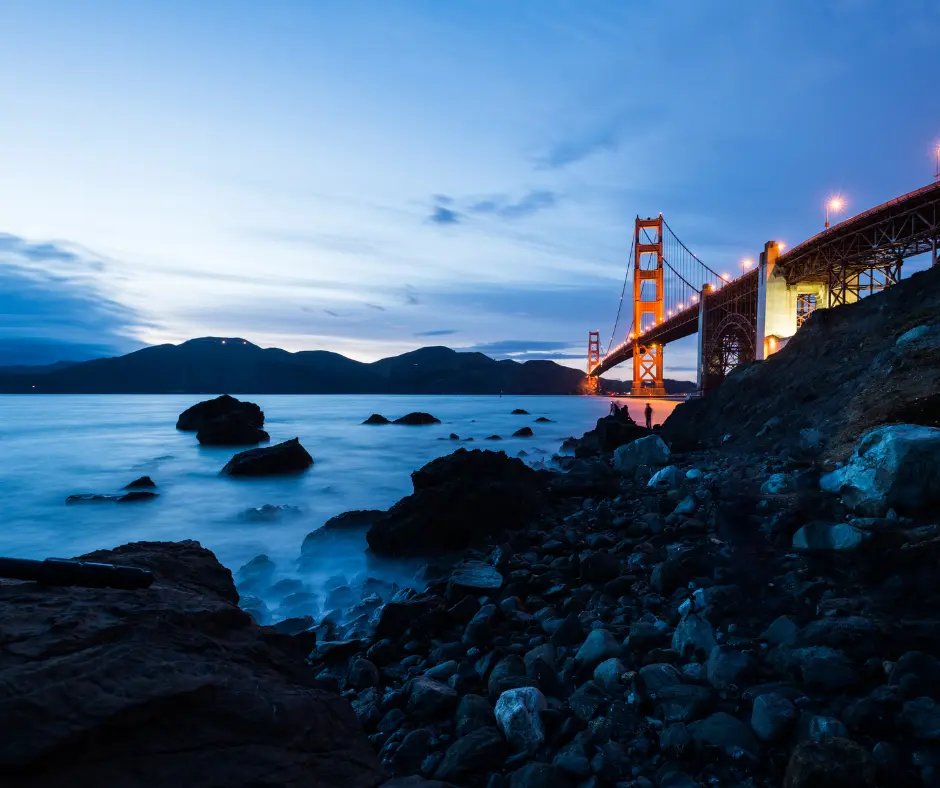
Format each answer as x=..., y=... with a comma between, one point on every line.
x=835, y=205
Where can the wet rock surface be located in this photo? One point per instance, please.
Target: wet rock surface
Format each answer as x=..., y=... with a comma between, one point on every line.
x=286, y=457
x=96, y=683
x=202, y=414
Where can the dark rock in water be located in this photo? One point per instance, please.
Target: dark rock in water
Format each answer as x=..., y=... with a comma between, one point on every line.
x=231, y=429
x=256, y=575
x=454, y=436
x=376, y=418
x=417, y=417
x=286, y=457
x=524, y=432
x=396, y=617
x=459, y=500
x=176, y=677
x=833, y=763
x=201, y=414
x=519, y=412
x=143, y=483
x=493, y=438
x=341, y=524
x=544, y=420
x=129, y=497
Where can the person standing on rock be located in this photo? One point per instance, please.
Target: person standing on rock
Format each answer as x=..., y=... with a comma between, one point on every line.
x=649, y=416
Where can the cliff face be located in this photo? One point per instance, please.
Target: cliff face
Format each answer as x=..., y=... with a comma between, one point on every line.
x=848, y=369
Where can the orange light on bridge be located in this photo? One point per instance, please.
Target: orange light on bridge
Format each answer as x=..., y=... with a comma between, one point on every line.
x=835, y=204
x=781, y=246
x=746, y=264
x=693, y=299
x=726, y=277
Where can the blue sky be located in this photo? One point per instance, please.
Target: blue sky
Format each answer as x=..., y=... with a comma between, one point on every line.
x=370, y=177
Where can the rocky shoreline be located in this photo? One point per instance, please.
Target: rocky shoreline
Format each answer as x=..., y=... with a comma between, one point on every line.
x=640, y=618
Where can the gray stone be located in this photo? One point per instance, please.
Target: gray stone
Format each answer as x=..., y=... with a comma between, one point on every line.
x=651, y=450
x=728, y=667
x=598, y=646
x=539, y=775
x=726, y=732
x=429, y=699
x=517, y=716
x=772, y=716
x=652, y=679
x=479, y=628
x=826, y=668
x=782, y=631
x=670, y=478
x=694, y=635
x=686, y=507
x=675, y=740
x=893, y=467
x=473, y=712
x=828, y=537
x=821, y=727
x=921, y=717
x=776, y=484
x=608, y=673
x=473, y=577
x=476, y=753
x=684, y=703
x=362, y=674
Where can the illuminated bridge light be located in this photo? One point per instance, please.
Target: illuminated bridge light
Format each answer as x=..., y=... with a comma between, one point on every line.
x=726, y=277
x=694, y=299
x=681, y=307
x=781, y=246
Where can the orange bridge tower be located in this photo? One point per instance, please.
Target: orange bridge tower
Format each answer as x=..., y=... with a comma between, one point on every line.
x=647, y=306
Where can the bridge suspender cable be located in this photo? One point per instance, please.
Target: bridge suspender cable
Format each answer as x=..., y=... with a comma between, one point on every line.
x=672, y=232
x=620, y=305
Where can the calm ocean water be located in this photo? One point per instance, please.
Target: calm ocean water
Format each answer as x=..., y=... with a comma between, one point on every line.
x=54, y=446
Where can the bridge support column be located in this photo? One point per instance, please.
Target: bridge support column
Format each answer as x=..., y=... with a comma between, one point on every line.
x=771, y=301
x=933, y=249
x=700, y=365
x=647, y=269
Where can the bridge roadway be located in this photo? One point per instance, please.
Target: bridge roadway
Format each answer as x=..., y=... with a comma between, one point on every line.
x=682, y=324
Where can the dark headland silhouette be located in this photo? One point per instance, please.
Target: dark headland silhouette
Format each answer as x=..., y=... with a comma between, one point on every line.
x=213, y=364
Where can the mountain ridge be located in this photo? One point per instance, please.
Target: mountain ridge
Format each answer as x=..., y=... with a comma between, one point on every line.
x=233, y=364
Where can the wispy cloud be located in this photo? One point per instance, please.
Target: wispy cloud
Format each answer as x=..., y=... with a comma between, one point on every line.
x=602, y=136
x=441, y=214
x=376, y=307
x=56, y=307
x=331, y=313
x=513, y=347
x=505, y=208
x=437, y=332
x=411, y=297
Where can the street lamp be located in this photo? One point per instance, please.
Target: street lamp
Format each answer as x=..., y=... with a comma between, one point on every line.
x=937, y=174
x=835, y=205
x=746, y=264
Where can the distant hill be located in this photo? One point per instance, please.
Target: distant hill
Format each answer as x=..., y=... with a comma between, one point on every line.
x=212, y=364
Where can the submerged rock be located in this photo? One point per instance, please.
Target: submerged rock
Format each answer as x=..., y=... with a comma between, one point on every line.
x=524, y=432
x=134, y=496
x=376, y=418
x=143, y=483
x=201, y=414
x=356, y=520
x=519, y=412
x=417, y=418
x=544, y=420
x=286, y=457
x=196, y=689
x=460, y=500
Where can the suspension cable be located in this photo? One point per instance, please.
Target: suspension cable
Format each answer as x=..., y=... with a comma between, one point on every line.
x=687, y=250
x=622, y=294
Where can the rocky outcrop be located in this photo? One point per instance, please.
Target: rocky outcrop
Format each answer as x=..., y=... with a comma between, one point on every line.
x=523, y=432
x=376, y=418
x=417, y=418
x=358, y=519
x=168, y=686
x=201, y=414
x=286, y=457
x=459, y=500
x=519, y=412
x=143, y=483
x=609, y=433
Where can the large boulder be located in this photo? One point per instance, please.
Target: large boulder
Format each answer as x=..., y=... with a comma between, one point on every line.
x=651, y=451
x=336, y=527
x=417, y=418
x=231, y=429
x=168, y=686
x=834, y=763
x=609, y=433
x=199, y=415
x=286, y=457
x=893, y=467
x=460, y=500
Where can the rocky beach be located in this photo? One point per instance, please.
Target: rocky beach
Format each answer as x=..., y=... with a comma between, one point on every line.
x=746, y=597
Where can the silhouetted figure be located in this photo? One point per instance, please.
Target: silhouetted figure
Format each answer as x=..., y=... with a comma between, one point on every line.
x=649, y=416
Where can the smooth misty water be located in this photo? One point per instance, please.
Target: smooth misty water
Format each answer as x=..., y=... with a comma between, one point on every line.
x=54, y=446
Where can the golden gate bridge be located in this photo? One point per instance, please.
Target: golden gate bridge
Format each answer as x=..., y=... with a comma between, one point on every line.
x=751, y=316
